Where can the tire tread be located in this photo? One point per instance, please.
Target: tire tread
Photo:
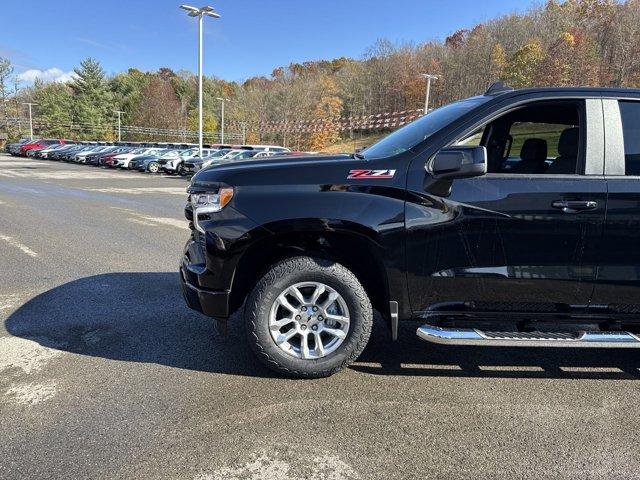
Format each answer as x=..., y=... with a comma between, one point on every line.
x=291, y=266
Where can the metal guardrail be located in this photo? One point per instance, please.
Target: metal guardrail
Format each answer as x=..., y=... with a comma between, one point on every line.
x=389, y=120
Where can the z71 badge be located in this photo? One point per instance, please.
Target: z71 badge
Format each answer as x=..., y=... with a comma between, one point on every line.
x=364, y=174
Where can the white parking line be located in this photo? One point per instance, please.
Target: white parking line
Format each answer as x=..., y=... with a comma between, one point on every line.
x=25, y=354
x=26, y=164
x=14, y=243
x=141, y=222
x=66, y=175
x=426, y=366
x=591, y=369
x=8, y=301
x=510, y=368
x=31, y=393
x=141, y=190
x=171, y=222
x=150, y=221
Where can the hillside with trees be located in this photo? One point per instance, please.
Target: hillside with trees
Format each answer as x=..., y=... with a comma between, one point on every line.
x=577, y=42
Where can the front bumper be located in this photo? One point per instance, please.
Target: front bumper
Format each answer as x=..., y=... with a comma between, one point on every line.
x=209, y=260
x=191, y=168
x=211, y=303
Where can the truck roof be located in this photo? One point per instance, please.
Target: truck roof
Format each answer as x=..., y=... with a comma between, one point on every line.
x=499, y=89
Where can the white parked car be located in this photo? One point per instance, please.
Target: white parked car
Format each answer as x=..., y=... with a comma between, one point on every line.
x=122, y=160
x=173, y=161
x=273, y=149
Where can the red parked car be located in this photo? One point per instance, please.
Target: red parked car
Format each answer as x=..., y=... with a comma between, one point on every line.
x=107, y=160
x=39, y=144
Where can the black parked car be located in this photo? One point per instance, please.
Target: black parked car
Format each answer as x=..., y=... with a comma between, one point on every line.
x=62, y=152
x=194, y=164
x=94, y=158
x=14, y=148
x=485, y=219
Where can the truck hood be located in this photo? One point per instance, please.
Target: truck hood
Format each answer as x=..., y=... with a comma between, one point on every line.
x=277, y=170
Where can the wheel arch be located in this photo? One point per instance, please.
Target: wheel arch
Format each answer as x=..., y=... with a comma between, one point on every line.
x=355, y=249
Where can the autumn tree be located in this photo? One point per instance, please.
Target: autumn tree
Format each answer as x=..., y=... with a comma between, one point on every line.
x=498, y=62
x=127, y=89
x=159, y=106
x=522, y=68
x=328, y=111
x=55, y=108
x=6, y=72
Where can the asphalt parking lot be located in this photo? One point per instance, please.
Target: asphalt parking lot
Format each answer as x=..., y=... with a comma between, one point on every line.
x=104, y=373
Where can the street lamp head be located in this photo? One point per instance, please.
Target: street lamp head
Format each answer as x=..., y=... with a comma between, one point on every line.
x=190, y=9
x=430, y=76
x=207, y=10
x=196, y=12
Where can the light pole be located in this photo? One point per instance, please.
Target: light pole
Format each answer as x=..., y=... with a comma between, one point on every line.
x=119, y=112
x=30, y=119
x=429, y=77
x=200, y=13
x=223, y=101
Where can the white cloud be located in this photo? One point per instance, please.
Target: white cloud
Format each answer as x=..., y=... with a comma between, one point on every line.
x=49, y=75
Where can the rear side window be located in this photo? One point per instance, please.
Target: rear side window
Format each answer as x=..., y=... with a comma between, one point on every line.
x=630, y=113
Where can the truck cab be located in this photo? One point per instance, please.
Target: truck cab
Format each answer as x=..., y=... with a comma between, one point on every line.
x=508, y=218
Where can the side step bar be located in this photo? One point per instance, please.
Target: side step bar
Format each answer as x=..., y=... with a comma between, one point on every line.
x=472, y=336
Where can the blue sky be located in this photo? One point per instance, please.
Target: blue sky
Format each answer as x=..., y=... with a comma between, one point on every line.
x=50, y=37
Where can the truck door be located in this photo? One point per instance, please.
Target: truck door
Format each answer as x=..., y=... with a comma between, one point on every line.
x=523, y=237
x=618, y=284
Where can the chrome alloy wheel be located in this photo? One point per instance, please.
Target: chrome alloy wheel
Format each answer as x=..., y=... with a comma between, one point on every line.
x=309, y=320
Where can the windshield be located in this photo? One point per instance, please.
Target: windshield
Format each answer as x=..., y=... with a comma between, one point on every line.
x=170, y=154
x=234, y=153
x=411, y=135
x=219, y=153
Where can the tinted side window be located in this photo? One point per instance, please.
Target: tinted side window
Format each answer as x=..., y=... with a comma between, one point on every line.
x=538, y=138
x=521, y=131
x=630, y=112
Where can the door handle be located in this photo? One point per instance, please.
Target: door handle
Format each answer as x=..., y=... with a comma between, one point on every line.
x=575, y=206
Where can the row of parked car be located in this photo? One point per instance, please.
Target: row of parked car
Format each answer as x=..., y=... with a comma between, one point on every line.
x=171, y=158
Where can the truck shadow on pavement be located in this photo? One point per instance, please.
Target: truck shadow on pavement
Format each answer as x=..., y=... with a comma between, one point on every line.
x=141, y=317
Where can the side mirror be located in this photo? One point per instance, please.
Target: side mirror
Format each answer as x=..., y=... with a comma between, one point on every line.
x=458, y=162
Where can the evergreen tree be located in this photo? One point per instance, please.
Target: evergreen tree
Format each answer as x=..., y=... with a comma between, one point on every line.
x=93, y=101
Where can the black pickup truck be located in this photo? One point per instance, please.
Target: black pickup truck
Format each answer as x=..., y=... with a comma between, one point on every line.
x=511, y=218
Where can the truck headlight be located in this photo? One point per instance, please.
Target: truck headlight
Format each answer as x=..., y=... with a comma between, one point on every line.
x=204, y=203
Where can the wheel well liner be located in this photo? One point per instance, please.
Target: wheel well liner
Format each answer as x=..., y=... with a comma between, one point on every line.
x=355, y=251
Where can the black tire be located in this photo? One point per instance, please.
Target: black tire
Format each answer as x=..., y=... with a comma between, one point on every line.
x=306, y=269
x=153, y=167
x=180, y=170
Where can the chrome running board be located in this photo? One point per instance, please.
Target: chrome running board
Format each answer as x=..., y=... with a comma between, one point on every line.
x=472, y=336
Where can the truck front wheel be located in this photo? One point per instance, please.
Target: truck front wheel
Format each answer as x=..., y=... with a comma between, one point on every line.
x=308, y=317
